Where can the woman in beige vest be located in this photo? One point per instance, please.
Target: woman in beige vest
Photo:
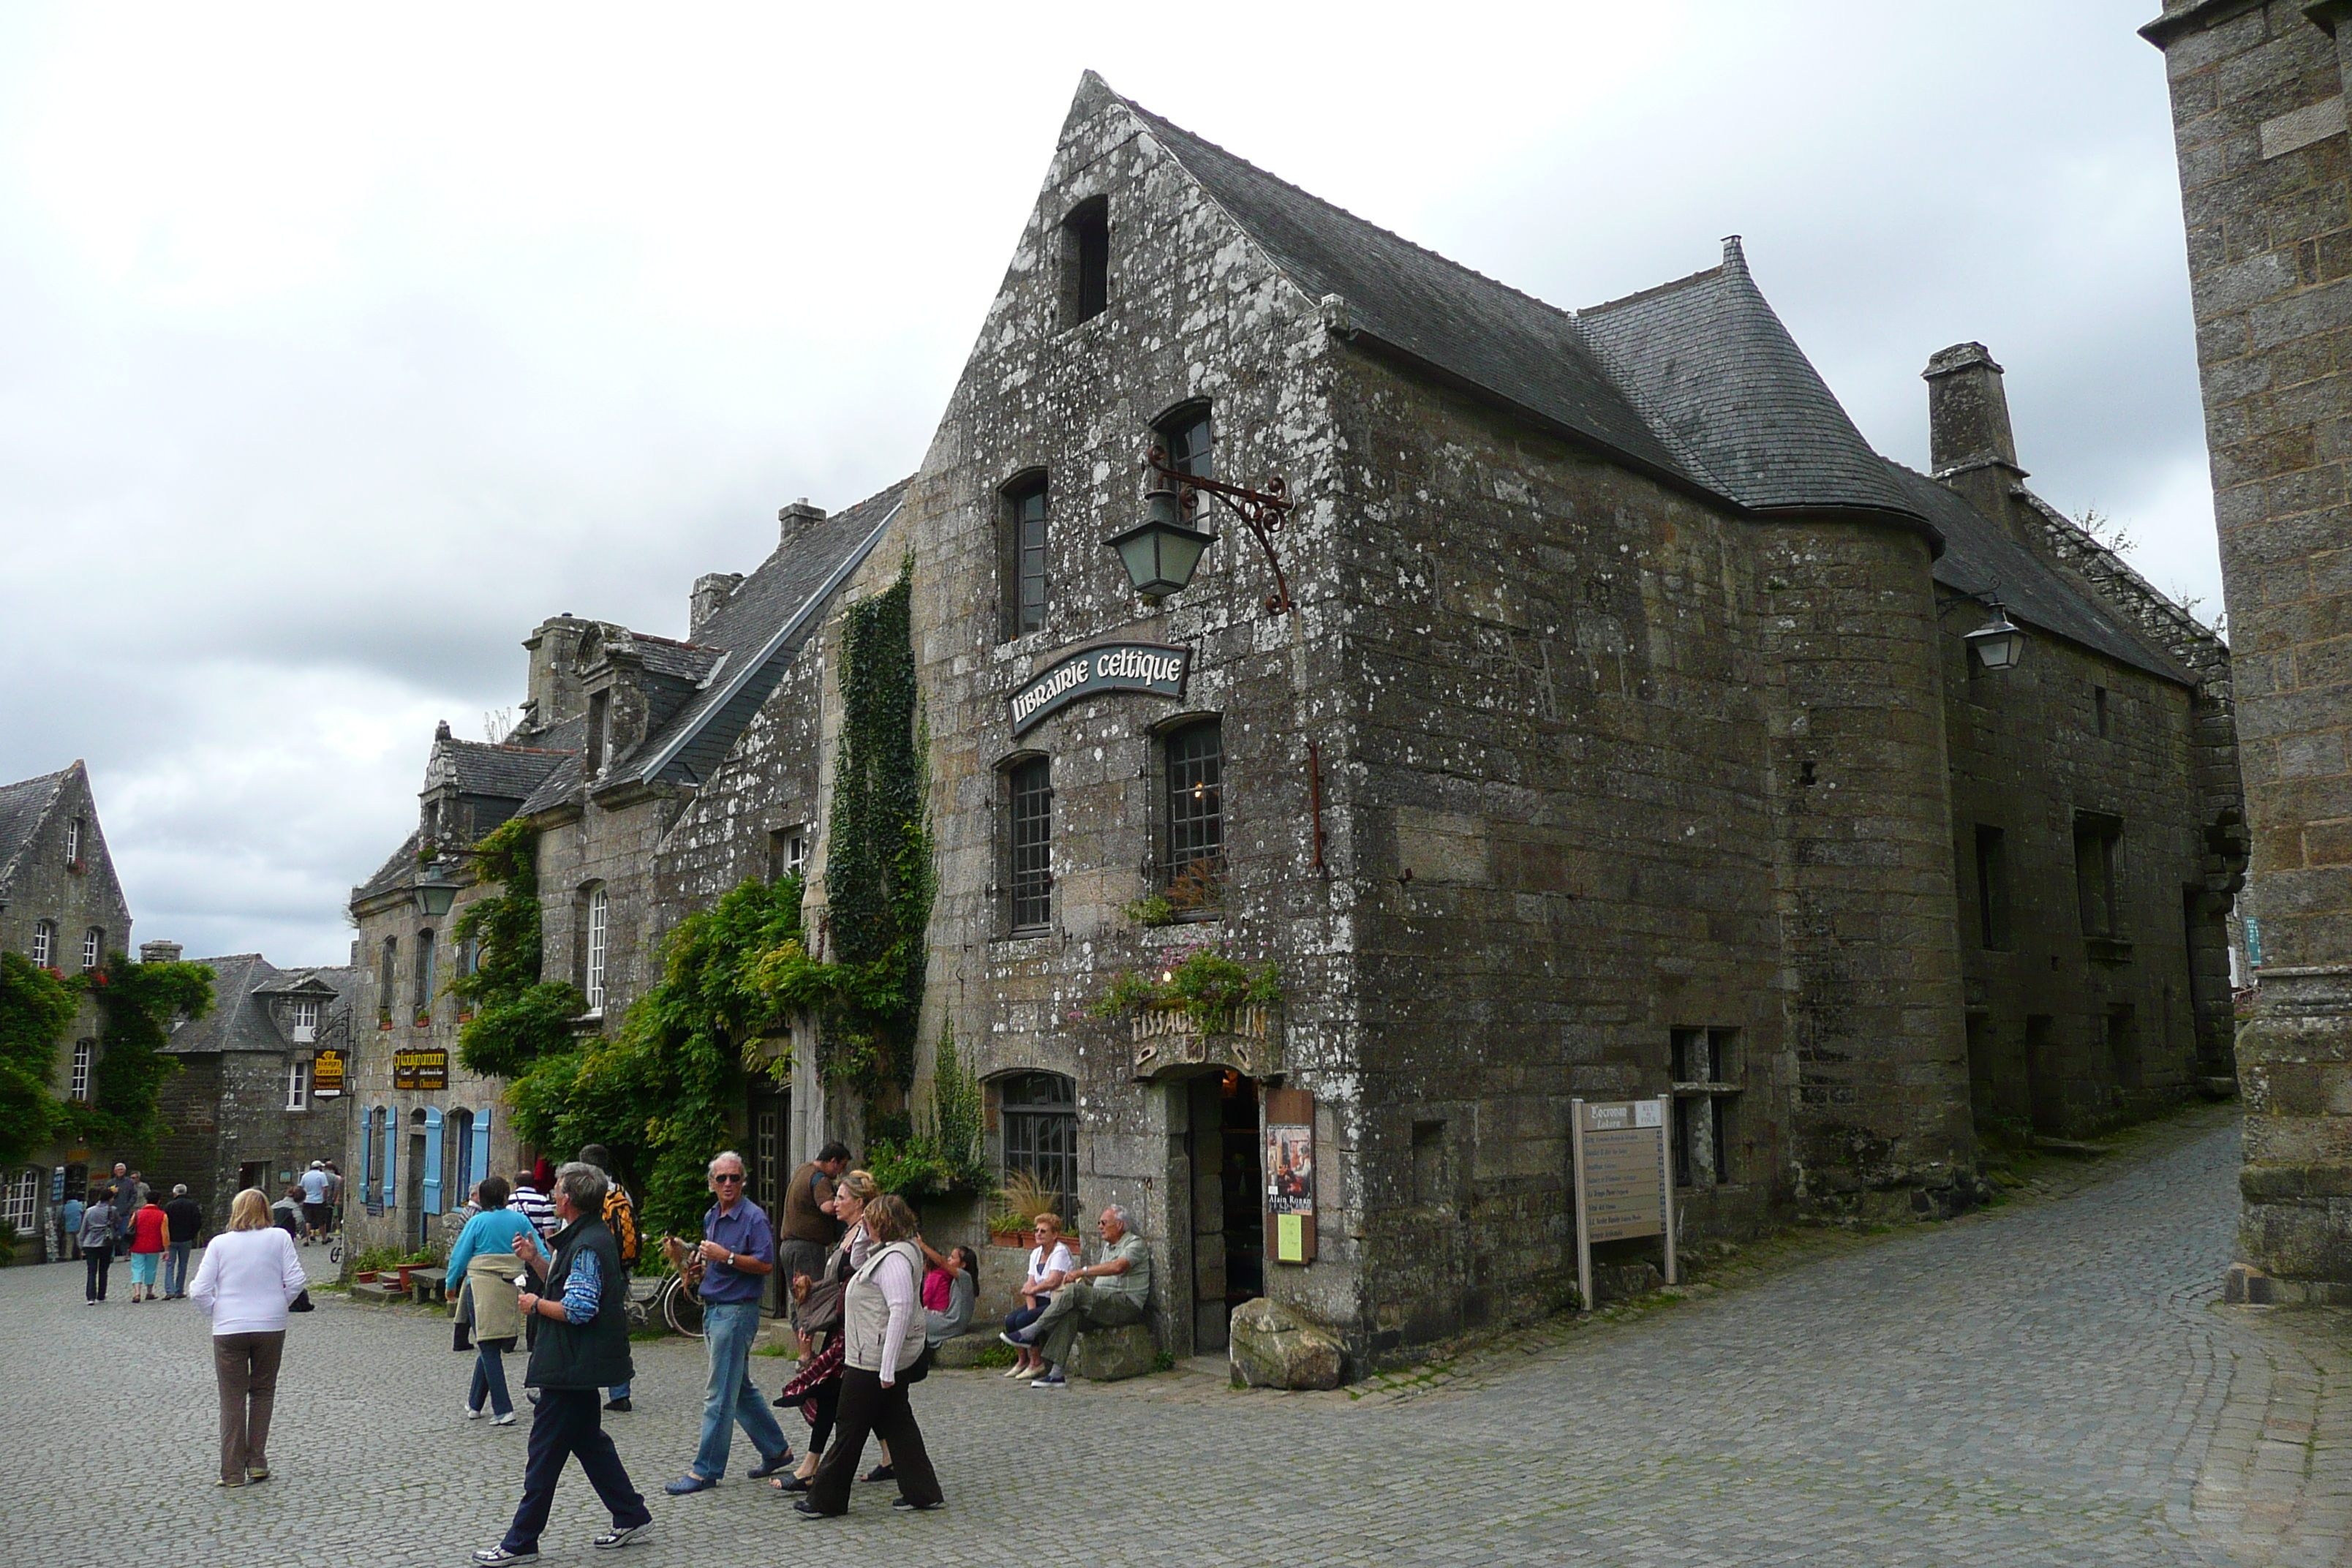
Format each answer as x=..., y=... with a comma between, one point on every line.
x=882, y=1332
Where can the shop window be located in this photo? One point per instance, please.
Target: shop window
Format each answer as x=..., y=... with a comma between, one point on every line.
x=1704, y=1066
x=2098, y=858
x=298, y=1086
x=45, y=943
x=23, y=1201
x=84, y=1057
x=1993, y=888
x=1030, y=879
x=1039, y=1115
x=1025, y=586
x=1086, y=260
x=1193, y=860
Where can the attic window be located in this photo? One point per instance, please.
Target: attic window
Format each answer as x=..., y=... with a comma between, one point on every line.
x=73, y=842
x=1086, y=260
x=600, y=712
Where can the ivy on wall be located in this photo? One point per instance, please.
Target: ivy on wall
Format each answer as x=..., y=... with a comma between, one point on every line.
x=517, y=1017
x=137, y=1004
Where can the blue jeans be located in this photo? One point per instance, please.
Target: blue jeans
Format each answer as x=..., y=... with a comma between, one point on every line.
x=175, y=1268
x=728, y=1330
x=491, y=1377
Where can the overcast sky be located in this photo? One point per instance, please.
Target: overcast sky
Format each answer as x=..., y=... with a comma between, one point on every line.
x=338, y=347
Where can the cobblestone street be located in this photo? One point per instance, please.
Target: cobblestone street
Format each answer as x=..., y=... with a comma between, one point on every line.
x=2045, y=1384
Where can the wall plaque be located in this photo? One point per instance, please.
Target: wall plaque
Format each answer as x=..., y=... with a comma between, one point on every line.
x=327, y=1073
x=1151, y=668
x=1624, y=1177
x=420, y=1069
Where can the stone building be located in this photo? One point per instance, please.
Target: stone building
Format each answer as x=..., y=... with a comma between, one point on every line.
x=248, y=1106
x=1599, y=720
x=2258, y=97
x=618, y=732
x=62, y=906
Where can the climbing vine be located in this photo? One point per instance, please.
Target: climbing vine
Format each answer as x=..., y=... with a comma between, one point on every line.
x=35, y=1008
x=137, y=1005
x=518, y=1018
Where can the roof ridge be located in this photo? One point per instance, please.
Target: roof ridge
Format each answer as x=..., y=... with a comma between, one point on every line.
x=1653, y=291
x=1158, y=121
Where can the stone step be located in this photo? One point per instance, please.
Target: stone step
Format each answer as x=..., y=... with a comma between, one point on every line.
x=378, y=1293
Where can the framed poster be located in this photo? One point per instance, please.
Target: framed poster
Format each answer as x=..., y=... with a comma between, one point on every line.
x=1290, y=1175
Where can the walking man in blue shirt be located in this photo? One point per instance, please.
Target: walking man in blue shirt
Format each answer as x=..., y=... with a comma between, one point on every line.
x=737, y=1253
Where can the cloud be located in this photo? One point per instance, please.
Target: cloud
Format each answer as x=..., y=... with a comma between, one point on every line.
x=344, y=346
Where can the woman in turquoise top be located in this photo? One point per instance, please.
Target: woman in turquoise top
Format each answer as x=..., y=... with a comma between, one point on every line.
x=482, y=1264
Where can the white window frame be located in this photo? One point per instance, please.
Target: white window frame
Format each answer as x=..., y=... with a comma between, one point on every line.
x=73, y=841
x=297, y=1085
x=92, y=941
x=796, y=852
x=85, y=1058
x=23, y=1202
x=599, y=922
x=45, y=943
x=306, y=1020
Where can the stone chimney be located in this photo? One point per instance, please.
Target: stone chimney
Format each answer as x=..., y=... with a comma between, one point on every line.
x=797, y=516
x=159, y=953
x=555, y=693
x=1970, y=447
x=711, y=592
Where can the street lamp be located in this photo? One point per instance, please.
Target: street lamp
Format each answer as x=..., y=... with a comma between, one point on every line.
x=1161, y=554
x=1998, y=643
x=435, y=891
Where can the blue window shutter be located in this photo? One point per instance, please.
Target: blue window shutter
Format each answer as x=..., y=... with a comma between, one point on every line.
x=431, y=1184
x=481, y=1143
x=390, y=1157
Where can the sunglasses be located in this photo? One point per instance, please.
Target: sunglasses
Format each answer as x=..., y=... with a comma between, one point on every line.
x=727, y=1176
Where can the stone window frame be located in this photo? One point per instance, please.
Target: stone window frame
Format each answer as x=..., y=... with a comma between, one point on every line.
x=788, y=851
x=73, y=842
x=44, y=948
x=83, y=1071
x=1014, y=554
x=421, y=976
x=1702, y=1139
x=2099, y=875
x=298, y=1084
x=596, y=943
x=1175, y=430
x=1168, y=863
x=1034, y=1132
x=387, y=978
x=1994, y=901
x=93, y=947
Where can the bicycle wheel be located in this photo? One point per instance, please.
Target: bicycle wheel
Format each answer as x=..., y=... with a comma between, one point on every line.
x=682, y=1309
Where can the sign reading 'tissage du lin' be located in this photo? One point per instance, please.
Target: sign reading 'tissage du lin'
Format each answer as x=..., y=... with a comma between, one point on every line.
x=1092, y=671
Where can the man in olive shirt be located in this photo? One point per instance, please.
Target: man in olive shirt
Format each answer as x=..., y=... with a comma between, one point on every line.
x=809, y=1232
x=1100, y=1294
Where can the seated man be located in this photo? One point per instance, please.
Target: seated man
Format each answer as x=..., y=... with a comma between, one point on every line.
x=1100, y=1295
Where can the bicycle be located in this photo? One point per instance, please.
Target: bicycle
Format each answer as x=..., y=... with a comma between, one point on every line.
x=673, y=1303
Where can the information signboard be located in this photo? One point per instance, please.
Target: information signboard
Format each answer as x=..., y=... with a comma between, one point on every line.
x=327, y=1073
x=420, y=1069
x=1623, y=1172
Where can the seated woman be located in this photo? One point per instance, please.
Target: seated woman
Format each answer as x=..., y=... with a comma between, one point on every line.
x=948, y=1292
x=1048, y=1260
x=482, y=1273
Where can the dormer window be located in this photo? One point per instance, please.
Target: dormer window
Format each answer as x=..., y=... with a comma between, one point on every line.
x=600, y=719
x=1086, y=260
x=305, y=1021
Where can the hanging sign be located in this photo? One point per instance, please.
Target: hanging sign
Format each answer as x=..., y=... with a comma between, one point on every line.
x=1145, y=666
x=327, y=1073
x=1290, y=1175
x=1624, y=1178
x=420, y=1069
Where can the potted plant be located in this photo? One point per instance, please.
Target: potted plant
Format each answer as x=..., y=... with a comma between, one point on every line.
x=1014, y=1206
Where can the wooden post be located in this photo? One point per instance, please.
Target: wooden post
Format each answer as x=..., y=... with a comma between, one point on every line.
x=1575, y=1175
x=1666, y=1175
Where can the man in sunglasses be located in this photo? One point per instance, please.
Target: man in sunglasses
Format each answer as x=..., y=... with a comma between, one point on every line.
x=737, y=1252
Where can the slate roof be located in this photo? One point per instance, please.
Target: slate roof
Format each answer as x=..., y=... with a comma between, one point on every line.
x=240, y=1019
x=1712, y=362
x=23, y=805
x=395, y=872
x=759, y=629
x=1437, y=313
x=1981, y=556
x=688, y=662
x=501, y=772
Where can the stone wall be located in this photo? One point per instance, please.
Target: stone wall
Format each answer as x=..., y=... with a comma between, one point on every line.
x=2266, y=192
x=227, y=1111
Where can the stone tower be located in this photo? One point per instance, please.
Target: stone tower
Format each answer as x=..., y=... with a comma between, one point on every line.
x=2266, y=189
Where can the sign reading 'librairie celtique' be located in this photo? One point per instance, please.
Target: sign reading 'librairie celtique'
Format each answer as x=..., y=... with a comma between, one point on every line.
x=1093, y=672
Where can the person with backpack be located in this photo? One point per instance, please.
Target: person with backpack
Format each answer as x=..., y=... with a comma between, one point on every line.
x=621, y=1219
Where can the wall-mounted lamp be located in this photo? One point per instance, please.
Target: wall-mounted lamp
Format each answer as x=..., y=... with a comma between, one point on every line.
x=435, y=891
x=1162, y=551
x=1998, y=643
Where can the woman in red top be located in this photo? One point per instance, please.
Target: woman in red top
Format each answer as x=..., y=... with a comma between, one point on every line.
x=151, y=1232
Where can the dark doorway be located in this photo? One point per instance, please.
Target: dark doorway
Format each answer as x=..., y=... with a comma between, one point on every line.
x=253, y=1173
x=1228, y=1206
x=2045, y=1091
x=413, y=1185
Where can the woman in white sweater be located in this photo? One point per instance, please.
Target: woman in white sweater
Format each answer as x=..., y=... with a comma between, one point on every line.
x=250, y=1274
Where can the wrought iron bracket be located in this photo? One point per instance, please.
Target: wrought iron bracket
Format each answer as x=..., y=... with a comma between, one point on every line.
x=1262, y=511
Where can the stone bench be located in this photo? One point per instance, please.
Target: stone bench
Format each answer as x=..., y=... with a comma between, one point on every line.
x=426, y=1286
x=1107, y=1355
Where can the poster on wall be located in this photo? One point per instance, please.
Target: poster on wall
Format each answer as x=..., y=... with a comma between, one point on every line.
x=1290, y=1175
x=327, y=1073
x=420, y=1069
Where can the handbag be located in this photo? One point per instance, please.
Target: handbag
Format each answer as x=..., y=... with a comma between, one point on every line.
x=922, y=1367
x=302, y=1302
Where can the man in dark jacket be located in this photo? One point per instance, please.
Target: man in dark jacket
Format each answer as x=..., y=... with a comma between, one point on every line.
x=188, y=1222
x=579, y=1326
